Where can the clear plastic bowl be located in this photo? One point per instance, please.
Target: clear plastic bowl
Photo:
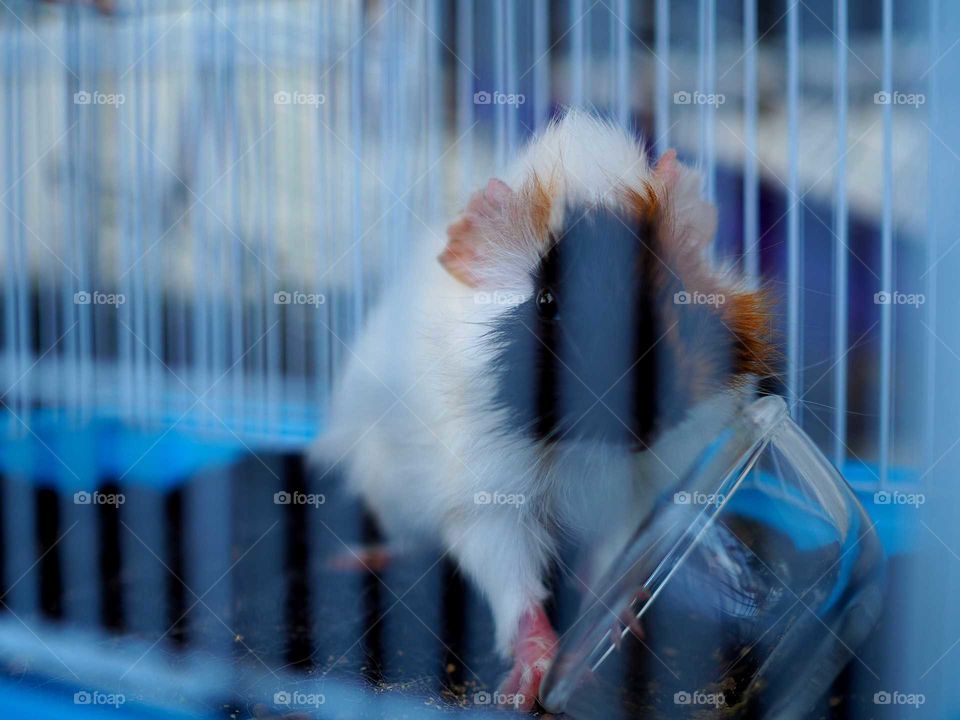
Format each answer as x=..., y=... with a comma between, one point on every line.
x=754, y=581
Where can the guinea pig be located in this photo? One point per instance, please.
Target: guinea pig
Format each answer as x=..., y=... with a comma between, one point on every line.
x=548, y=368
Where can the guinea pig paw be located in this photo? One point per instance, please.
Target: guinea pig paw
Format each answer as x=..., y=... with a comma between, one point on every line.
x=521, y=687
x=534, y=653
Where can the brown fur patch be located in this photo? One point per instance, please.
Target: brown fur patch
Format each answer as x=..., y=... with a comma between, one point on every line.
x=747, y=314
x=681, y=264
x=643, y=204
x=538, y=198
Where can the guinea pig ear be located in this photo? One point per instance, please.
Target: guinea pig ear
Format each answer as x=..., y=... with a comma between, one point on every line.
x=693, y=217
x=667, y=170
x=464, y=254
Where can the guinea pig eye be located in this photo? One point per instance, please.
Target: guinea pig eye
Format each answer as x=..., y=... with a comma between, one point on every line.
x=546, y=303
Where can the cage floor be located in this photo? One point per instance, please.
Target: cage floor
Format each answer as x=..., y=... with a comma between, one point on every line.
x=251, y=565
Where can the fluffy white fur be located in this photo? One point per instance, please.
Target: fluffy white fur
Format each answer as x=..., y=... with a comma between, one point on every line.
x=411, y=422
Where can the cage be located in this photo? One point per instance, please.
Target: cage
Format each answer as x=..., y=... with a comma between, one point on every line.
x=203, y=200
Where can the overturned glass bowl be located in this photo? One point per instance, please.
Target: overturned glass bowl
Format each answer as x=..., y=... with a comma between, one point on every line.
x=754, y=582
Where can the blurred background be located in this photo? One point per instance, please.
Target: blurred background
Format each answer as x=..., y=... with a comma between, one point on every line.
x=200, y=201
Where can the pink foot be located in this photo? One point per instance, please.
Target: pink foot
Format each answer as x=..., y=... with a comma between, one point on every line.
x=534, y=651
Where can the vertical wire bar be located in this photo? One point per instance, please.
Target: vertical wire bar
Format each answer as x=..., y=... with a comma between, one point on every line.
x=46, y=290
x=933, y=165
x=751, y=185
x=181, y=292
x=886, y=244
x=138, y=301
x=69, y=309
x=297, y=345
x=10, y=284
x=220, y=233
x=841, y=258
x=274, y=327
x=78, y=556
x=793, y=213
x=541, y=68
x=340, y=209
x=586, y=66
x=322, y=218
x=155, y=295
x=98, y=332
x=356, y=125
x=236, y=258
x=394, y=138
x=404, y=92
x=510, y=72
x=465, y=91
x=127, y=260
x=24, y=331
x=88, y=160
x=202, y=320
x=662, y=103
x=706, y=82
x=436, y=105
x=619, y=25
x=576, y=55
x=146, y=174
x=499, y=109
